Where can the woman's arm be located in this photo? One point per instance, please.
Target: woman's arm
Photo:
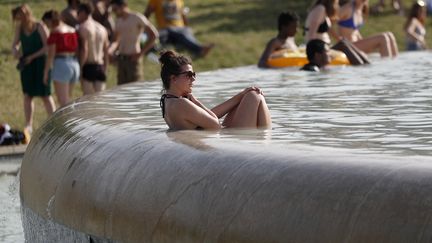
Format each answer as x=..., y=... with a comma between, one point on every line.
x=334, y=34
x=314, y=20
x=199, y=104
x=199, y=115
x=222, y=109
x=410, y=30
x=43, y=32
x=49, y=61
x=16, y=42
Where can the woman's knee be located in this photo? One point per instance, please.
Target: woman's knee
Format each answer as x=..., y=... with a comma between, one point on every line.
x=389, y=34
x=253, y=96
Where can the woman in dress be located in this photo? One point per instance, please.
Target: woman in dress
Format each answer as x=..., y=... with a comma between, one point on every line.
x=181, y=110
x=62, y=52
x=30, y=47
x=351, y=19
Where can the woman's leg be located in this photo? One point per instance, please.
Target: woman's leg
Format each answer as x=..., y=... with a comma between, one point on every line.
x=28, y=111
x=355, y=56
x=71, y=87
x=49, y=104
x=264, y=117
x=378, y=42
x=252, y=111
x=393, y=44
x=62, y=92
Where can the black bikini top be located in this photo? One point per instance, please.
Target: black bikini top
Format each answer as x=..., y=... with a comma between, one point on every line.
x=322, y=28
x=162, y=102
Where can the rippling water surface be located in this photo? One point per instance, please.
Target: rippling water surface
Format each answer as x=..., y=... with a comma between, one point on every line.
x=382, y=108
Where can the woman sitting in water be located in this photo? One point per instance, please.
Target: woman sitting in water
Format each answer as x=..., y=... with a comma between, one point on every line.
x=318, y=26
x=414, y=27
x=351, y=18
x=181, y=110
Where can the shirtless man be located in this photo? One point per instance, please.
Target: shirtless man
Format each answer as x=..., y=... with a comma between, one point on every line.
x=128, y=28
x=93, y=52
x=287, y=26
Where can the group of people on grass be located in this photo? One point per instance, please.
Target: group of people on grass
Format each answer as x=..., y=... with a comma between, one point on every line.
x=82, y=39
x=77, y=44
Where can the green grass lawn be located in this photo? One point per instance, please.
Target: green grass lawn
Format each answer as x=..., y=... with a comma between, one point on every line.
x=239, y=28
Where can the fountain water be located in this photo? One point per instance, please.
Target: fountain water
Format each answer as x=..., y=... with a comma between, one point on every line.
x=348, y=160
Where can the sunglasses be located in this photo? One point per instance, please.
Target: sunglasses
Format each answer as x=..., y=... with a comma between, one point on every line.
x=189, y=74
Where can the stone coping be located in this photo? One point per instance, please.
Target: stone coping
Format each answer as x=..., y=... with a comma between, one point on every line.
x=12, y=150
x=103, y=172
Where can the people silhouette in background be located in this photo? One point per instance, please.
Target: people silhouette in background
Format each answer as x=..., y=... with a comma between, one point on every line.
x=351, y=19
x=102, y=14
x=285, y=39
x=173, y=26
x=317, y=52
x=415, y=27
x=93, y=51
x=128, y=29
x=29, y=46
x=396, y=5
x=69, y=15
x=318, y=26
x=62, y=56
x=181, y=110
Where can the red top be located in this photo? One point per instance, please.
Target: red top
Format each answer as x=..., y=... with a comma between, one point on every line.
x=65, y=42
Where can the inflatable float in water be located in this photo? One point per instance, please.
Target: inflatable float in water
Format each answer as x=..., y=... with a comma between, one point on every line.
x=288, y=58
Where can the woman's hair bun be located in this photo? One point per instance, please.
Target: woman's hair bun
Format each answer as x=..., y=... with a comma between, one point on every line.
x=167, y=56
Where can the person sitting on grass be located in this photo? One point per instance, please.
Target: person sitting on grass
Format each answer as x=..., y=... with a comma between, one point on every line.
x=317, y=54
x=173, y=26
x=287, y=27
x=182, y=111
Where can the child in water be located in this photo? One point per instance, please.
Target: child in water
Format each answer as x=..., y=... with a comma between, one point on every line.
x=287, y=26
x=414, y=27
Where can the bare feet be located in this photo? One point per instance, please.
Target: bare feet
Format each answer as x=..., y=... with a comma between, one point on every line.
x=28, y=130
x=206, y=49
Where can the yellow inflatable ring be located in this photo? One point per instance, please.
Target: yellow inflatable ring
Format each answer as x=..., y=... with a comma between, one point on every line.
x=289, y=58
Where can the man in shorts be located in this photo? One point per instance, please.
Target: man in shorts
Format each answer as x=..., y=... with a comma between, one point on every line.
x=129, y=27
x=93, y=51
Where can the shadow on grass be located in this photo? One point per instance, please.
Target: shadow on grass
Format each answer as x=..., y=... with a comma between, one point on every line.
x=243, y=16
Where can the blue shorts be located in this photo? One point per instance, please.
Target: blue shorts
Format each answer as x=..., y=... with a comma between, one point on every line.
x=413, y=46
x=65, y=69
